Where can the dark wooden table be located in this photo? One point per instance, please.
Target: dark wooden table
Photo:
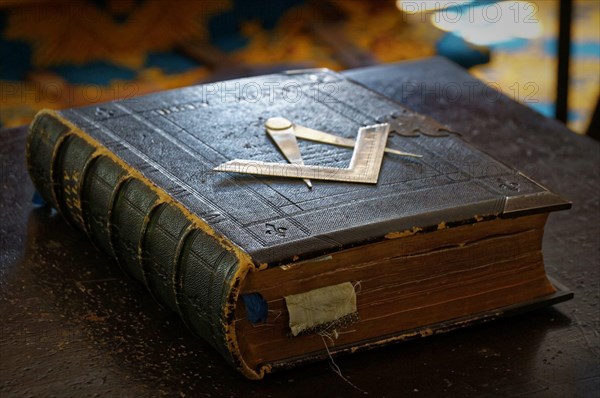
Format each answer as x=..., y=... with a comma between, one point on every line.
x=74, y=325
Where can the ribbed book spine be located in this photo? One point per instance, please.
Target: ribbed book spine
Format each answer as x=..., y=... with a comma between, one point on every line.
x=184, y=267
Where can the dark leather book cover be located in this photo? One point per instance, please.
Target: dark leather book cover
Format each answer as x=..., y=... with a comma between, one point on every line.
x=137, y=176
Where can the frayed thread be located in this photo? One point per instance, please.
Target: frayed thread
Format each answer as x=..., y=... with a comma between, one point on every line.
x=334, y=366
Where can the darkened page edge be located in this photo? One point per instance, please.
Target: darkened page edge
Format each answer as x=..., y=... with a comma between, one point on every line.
x=562, y=294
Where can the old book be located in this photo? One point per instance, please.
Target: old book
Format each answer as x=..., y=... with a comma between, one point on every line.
x=272, y=273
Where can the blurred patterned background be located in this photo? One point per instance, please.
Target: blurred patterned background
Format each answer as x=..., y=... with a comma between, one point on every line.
x=57, y=54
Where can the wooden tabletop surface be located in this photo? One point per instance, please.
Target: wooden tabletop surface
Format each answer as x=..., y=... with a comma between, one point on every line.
x=73, y=325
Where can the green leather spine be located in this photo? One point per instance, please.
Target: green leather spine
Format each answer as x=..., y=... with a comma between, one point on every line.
x=184, y=268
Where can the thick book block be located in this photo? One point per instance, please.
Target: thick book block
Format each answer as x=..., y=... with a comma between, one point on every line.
x=272, y=273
